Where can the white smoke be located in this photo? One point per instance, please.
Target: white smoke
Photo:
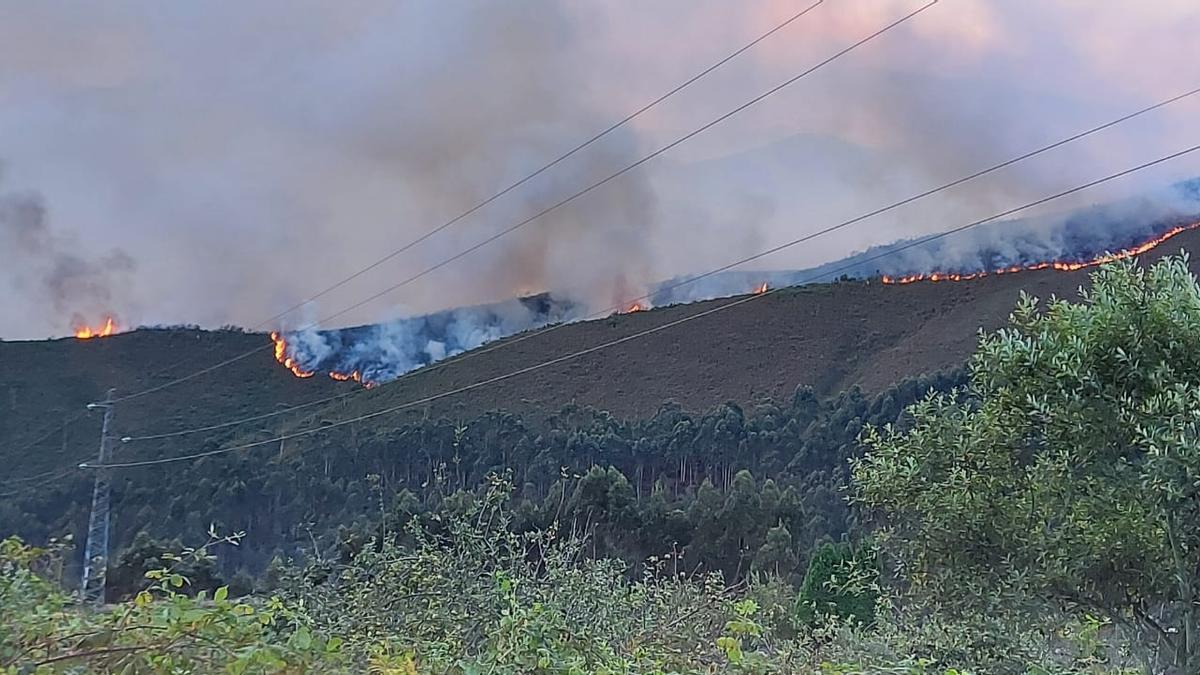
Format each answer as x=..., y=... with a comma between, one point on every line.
x=384, y=351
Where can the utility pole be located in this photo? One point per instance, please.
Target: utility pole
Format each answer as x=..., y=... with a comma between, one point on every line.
x=95, y=552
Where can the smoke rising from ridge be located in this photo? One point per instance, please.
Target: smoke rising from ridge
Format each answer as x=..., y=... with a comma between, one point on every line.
x=50, y=270
x=248, y=155
x=382, y=352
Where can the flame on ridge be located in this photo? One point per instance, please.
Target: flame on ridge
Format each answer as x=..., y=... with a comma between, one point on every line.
x=356, y=376
x=87, y=332
x=288, y=362
x=1054, y=265
x=639, y=307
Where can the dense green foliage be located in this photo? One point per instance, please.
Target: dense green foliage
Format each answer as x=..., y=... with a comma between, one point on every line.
x=160, y=630
x=1068, y=472
x=476, y=597
x=839, y=582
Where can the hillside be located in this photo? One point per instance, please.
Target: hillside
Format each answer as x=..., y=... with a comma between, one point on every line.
x=44, y=383
x=828, y=336
x=320, y=489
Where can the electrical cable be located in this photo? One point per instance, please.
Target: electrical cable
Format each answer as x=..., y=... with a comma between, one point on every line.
x=528, y=177
x=50, y=432
x=554, y=207
x=669, y=287
x=640, y=334
x=616, y=125
x=46, y=478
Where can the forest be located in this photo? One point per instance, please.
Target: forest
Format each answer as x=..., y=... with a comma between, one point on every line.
x=634, y=485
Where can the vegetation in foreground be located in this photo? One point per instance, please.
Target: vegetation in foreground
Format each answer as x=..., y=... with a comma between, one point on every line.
x=479, y=598
x=1041, y=520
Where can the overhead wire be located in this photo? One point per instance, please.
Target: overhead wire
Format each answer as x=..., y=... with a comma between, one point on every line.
x=49, y=432
x=17, y=452
x=525, y=179
x=545, y=211
x=546, y=167
x=640, y=334
x=44, y=479
x=504, y=343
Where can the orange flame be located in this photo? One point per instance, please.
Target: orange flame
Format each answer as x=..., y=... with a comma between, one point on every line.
x=287, y=361
x=635, y=307
x=86, y=332
x=761, y=288
x=1052, y=265
x=356, y=376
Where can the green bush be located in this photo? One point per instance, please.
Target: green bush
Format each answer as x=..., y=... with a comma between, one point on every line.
x=842, y=583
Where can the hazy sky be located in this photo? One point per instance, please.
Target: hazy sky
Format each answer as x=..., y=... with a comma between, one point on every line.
x=216, y=162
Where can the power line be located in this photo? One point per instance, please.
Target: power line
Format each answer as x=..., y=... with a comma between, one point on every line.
x=617, y=125
x=596, y=137
x=49, y=432
x=51, y=474
x=45, y=478
x=45, y=474
x=650, y=331
x=557, y=205
x=244, y=420
x=775, y=249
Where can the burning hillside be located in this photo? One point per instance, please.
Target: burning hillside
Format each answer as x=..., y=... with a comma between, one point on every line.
x=1059, y=265
x=383, y=352
x=1084, y=238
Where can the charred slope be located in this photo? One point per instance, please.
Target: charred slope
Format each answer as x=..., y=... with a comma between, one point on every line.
x=380, y=353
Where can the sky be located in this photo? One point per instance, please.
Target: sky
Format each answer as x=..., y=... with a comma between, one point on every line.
x=216, y=163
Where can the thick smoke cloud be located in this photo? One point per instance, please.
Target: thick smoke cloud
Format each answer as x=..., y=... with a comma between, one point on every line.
x=249, y=154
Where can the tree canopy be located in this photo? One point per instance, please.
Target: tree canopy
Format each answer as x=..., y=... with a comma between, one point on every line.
x=1068, y=470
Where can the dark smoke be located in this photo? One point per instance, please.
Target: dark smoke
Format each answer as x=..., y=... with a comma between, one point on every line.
x=52, y=269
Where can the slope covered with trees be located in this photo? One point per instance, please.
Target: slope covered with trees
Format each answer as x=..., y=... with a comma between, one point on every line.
x=1068, y=472
x=637, y=486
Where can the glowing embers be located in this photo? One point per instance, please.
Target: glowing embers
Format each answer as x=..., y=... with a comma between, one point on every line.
x=1052, y=265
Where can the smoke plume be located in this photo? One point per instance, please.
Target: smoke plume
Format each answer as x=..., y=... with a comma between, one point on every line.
x=50, y=270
